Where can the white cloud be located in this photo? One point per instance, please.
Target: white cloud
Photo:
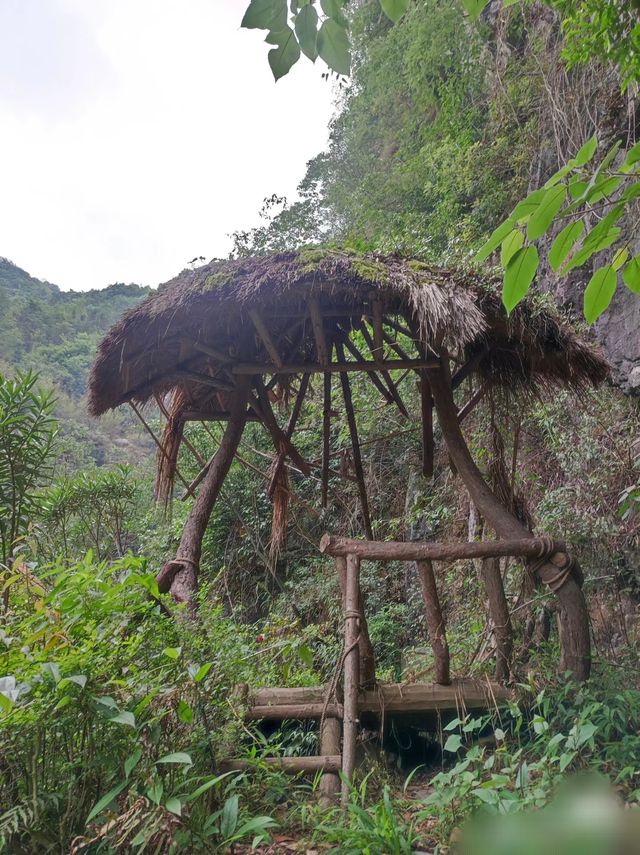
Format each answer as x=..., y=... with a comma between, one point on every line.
x=136, y=134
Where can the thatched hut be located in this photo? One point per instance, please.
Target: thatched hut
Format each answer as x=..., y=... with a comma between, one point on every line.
x=215, y=342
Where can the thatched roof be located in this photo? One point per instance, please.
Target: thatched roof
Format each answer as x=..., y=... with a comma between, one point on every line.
x=158, y=346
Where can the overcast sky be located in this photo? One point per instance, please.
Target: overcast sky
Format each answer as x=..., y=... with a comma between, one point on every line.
x=137, y=134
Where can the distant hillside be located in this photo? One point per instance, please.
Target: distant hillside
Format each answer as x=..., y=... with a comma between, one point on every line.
x=56, y=332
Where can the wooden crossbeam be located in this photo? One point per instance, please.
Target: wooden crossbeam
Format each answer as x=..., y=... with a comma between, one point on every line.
x=265, y=338
x=293, y=765
x=530, y=547
x=259, y=368
x=207, y=416
x=372, y=375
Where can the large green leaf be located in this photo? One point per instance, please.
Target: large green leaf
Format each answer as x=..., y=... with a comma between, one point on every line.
x=510, y=245
x=105, y=801
x=518, y=276
x=542, y=217
x=524, y=209
x=333, y=9
x=179, y=757
x=599, y=292
x=265, y=15
x=333, y=47
x=564, y=243
x=586, y=152
x=286, y=53
x=307, y=31
x=394, y=9
x=494, y=241
x=631, y=275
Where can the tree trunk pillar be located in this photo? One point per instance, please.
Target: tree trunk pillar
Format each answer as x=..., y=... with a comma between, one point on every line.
x=351, y=674
x=576, y=645
x=180, y=576
x=435, y=621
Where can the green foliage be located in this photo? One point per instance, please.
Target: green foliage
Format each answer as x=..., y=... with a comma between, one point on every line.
x=574, y=191
x=90, y=510
x=27, y=433
x=375, y=829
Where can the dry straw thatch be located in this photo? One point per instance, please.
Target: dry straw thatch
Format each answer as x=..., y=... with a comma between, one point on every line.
x=151, y=349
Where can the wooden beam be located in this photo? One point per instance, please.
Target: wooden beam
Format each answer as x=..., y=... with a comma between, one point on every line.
x=295, y=413
x=394, y=345
x=351, y=674
x=207, y=416
x=470, y=405
x=330, y=733
x=322, y=351
x=392, y=387
x=370, y=550
x=468, y=368
x=326, y=439
x=265, y=337
x=373, y=376
x=293, y=765
x=426, y=410
x=400, y=697
x=376, y=322
x=301, y=711
x=355, y=445
x=263, y=410
x=435, y=621
x=259, y=368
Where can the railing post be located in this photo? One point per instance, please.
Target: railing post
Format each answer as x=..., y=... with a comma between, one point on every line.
x=351, y=673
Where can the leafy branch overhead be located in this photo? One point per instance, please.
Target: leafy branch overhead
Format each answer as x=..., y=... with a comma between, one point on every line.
x=590, y=202
x=315, y=29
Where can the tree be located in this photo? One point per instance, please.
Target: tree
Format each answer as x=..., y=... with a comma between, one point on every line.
x=27, y=434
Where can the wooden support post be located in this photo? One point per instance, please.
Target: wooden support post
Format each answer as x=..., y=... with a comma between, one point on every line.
x=499, y=611
x=293, y=420
x=265, y=337
x=376, y=322
x=330, y=745
x=184, y=579
x=426, y=410
x=351, y=674
x=326, y=439
x=357, y=458
x=435, y=621
x=322, y=351
x=365, y=647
